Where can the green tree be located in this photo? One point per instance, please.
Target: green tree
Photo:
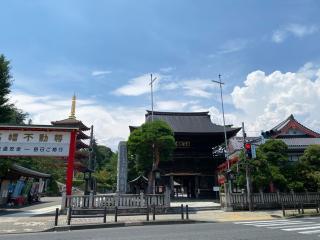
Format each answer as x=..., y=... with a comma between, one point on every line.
x=106, y=176
x=271, y=166
x=275, y=154
x=310, y=168
x=259, y=171
x=5, y=84
x=102, y=155
x=148, y=145
x=8, y=112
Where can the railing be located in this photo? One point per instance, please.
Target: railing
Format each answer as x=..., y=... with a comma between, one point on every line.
x=268, y=200
x=111, y=201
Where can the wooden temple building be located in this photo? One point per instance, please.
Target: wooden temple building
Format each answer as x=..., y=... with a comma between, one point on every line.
x=193, y=166
x=297, y=136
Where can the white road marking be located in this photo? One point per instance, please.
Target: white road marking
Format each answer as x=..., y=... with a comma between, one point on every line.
x=299, y=227
x=274, y=224
x=302, y=228
x=310, y=232
x=293, y=225
x=262, y=221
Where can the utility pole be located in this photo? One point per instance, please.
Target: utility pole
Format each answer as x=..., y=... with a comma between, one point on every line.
x=224, y=122
x=229, y=190
x=152, y=80
x=247, y=171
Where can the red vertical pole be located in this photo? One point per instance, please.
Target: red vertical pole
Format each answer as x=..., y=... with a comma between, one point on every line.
x=72, y=150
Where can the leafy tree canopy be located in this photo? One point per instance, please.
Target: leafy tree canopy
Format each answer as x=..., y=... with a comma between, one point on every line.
x=107, y=175
x=149, y=144
x=102, y=155
x=8, y=112
x=270, y=166
x=310, y=168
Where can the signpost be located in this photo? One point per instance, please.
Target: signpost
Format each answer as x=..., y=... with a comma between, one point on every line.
x=40, y=140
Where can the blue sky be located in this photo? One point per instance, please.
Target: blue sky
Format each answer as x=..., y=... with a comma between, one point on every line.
x=104, y=51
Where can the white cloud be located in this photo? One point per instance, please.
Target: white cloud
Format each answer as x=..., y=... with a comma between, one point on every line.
x=170, y=105
x=198, y=88
x=234, y=45
x=279, y=36
x=111, y=124
x=138, y=86
x=296, y=30
x=301, y=30
x=230, y=46
x=167, y=69
x=169, y=86
x=265, y=100
x=100, y=73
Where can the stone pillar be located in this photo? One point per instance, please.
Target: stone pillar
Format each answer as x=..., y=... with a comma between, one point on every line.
x=142, y=202
x=167, y=197
x=197, y=187
x=171, y=186
x=63, y=201
x=122, y=168
x=91, y=200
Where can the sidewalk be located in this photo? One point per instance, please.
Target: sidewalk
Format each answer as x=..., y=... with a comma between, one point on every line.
x=21, y=224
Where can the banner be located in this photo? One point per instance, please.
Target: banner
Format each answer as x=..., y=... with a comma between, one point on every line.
x=34, y=143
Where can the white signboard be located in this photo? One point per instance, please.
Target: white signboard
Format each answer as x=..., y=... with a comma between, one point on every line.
x=216, y=188
x=253, y=151
x=34, y=143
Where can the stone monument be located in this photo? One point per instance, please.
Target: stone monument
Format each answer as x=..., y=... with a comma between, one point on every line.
x=122, y=168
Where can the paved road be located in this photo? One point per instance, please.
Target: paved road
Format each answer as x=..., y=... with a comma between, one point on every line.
x=306, y=226
x=200, y=231
x=47, y=205
x=37, y=217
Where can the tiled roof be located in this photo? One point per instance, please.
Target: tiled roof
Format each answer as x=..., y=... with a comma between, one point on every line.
x=300, y=142
x=28, y=172
x=279, y=131
x=71, y=122
x=189, y=122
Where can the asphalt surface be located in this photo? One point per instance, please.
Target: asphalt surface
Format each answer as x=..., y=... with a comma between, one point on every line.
x=274, y=229
x=46, y=202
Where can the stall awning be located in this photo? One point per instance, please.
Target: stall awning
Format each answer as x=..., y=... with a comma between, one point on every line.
x=28, y=172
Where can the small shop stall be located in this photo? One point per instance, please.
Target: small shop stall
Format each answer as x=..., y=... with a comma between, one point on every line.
x=21, y=186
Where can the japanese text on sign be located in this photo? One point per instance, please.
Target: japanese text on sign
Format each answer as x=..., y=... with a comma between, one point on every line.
x=34, y=143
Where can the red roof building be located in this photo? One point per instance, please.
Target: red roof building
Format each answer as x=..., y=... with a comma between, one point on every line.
x=295, y=135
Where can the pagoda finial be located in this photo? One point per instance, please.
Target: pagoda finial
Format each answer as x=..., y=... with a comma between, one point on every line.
x=291, y=117
x=73, y=108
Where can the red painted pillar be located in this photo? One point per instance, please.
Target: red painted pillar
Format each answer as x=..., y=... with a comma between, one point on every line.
x=70, y=166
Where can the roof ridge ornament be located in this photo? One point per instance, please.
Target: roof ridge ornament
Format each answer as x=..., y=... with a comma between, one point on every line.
x=73, y=108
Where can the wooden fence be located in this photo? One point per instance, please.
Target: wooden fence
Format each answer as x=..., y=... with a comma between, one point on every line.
x=110, y=201
x=268, y=200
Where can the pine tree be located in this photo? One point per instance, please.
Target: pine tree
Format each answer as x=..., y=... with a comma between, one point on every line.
x=5, y=84
x=8, y=112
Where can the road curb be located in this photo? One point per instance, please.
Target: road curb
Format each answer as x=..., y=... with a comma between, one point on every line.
x=302, y=216
x=122, y=224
